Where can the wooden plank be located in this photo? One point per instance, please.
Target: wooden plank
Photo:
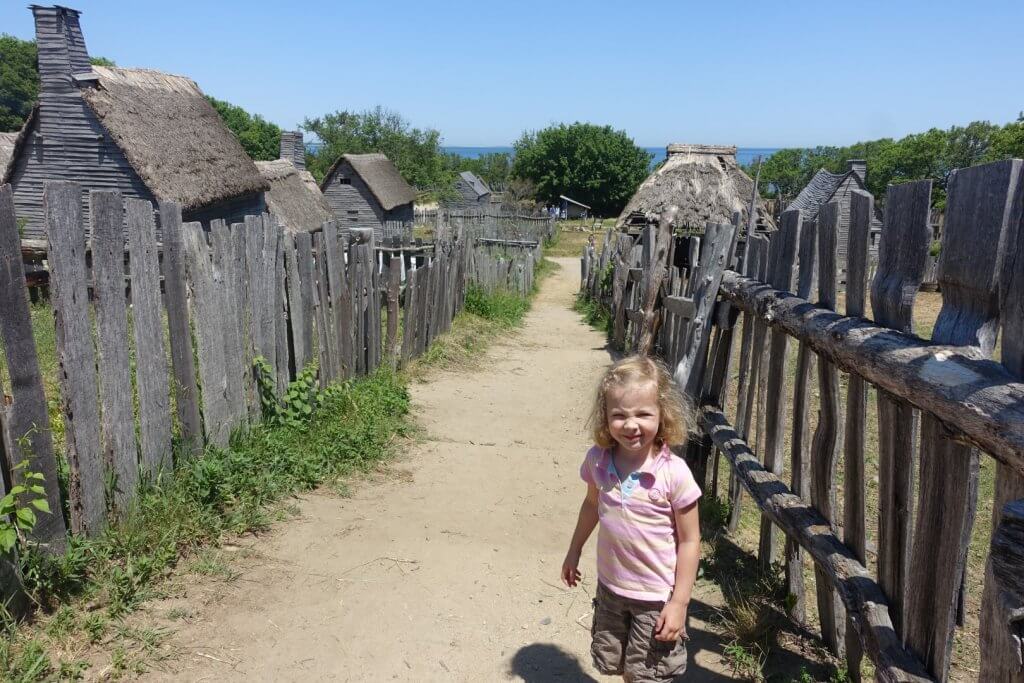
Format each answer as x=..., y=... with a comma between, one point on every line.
x=394, y=303
x=619, y=280
x=861, y=596
x=206, y=325
x=862, y=209
x=226, y=296
x=27, y=419
x=689, y=371
x=902, y=257
x=106, y=215
x=827, y=433
x=408, y=317
x=781, y=257
x=62, y=205
x=341, y=302
x=296, y=312
x=756, y=253
x=305, y=277
x=681, y=306
x=800, y=446
x=326, y=332
x=239, y=234
x=1002, y=604
x=281, y=313
x=976, y=229
x=151, y=371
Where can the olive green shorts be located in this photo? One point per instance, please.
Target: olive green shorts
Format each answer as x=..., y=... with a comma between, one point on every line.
x=624, y=642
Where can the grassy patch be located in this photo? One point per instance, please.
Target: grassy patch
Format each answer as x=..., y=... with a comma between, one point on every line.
x=594, y=313
x=85, y=594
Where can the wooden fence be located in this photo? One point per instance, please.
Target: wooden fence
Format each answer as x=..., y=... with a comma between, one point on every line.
x=230, y=294
x=941, y=404
x=506, y=265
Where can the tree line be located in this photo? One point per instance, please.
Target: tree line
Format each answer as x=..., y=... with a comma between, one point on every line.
x=932, y=154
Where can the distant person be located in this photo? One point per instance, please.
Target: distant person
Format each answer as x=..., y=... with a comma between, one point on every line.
x=648, y=546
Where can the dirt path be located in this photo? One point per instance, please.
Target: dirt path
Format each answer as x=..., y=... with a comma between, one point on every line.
x=446, y=567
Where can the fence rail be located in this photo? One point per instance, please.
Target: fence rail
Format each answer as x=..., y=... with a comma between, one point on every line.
x=941, y=403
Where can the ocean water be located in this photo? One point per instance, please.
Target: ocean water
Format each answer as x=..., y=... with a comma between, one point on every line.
x=744, y=155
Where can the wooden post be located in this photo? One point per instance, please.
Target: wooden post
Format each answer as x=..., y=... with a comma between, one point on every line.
x=782, y=257
x=282, y=358
x=800, y=447
x=225, y=295
x=977, y=225
x=902, y=257
x=854, y=515
x=27, y=420
x=62, y=206
x=656, y=269
x=394, y=295
x=305, y=275
x=1002, y=604
x=825, y=444
x=151, y=371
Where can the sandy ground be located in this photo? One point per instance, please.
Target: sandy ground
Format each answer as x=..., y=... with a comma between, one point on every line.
x=444, y=568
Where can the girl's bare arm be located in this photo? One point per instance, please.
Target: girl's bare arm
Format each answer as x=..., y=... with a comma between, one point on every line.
x=672, y=622
x=585, y=523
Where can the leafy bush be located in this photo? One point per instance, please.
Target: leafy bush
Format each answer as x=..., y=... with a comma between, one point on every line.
x=505, y=308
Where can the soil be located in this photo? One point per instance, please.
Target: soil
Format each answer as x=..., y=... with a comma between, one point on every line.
x=445, y=565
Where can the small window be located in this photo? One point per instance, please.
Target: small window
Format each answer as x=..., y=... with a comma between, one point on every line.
x=344, y=181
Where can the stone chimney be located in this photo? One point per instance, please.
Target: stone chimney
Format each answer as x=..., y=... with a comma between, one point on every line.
x=292, y=148
x=858, y=166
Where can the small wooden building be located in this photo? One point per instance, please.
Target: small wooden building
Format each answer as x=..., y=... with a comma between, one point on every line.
x=570, y=208
x=366, y=190
x=826, y=187
x=294, y=197
x=473, y=192
x=704, y=183
x=148, y=134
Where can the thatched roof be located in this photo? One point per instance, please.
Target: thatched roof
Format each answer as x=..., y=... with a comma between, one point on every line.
x=704, y=182
x=7, y=141
x=294, y=197
x=172, y=137
x=380, y=175
x=475, y=182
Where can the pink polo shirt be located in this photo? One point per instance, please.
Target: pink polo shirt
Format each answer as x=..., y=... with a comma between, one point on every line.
x=636, y=543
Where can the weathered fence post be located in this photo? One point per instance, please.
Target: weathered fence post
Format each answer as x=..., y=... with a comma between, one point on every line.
x=902, y=254
x=62, y=205
x=782, y=257
x=182, y=361
x=977, y=225
x=27, y=419
x=825, y=444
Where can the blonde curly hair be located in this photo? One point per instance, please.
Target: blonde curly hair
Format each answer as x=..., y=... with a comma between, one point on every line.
x=676, y=411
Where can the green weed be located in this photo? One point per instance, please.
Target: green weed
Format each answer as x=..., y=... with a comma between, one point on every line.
x=594, y=313
x=504, y=308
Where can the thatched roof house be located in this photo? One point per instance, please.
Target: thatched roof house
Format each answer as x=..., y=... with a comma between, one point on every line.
x=705, y=184
x=826, y=187
x=294, y=197
x=366, y=191
x=148, y=134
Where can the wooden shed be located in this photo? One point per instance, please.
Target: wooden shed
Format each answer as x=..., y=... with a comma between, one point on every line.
x=704, y=183
x=148, y=134
x=294, y=197
x=472, y=191
x=366, y=190
x=570, y=208
x=826, y=187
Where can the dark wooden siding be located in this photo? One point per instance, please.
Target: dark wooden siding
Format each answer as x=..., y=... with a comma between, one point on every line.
x=353, y=205
x=403, y=213
x=467, y=197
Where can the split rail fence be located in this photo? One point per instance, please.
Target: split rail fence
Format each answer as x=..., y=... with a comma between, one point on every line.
x=191, y=315
x=942, y=403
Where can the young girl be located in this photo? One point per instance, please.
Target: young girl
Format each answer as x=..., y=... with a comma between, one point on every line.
x=648, y=546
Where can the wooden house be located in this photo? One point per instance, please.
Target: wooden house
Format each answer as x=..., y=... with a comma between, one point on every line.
x=148, y=134
x=570, y=208
x=472, y=193
x=704, y=183
x=366, y=191
x=294, y=197
x=826, y=187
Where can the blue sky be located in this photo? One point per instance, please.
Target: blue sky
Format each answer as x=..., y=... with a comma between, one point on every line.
x=751, y=74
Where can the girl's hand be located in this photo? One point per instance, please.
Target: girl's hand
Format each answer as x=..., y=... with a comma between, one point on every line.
x=570, y=568
x=671, y=624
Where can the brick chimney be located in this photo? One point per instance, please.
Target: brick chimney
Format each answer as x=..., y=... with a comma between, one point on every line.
x=858, y=166
x=292, y=148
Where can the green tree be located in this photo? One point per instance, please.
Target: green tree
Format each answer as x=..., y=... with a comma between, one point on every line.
x=260, y=138
x=494, y=167
x=415, y=152
x=1007, y=142
x=19, y=81
x=596, y=165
